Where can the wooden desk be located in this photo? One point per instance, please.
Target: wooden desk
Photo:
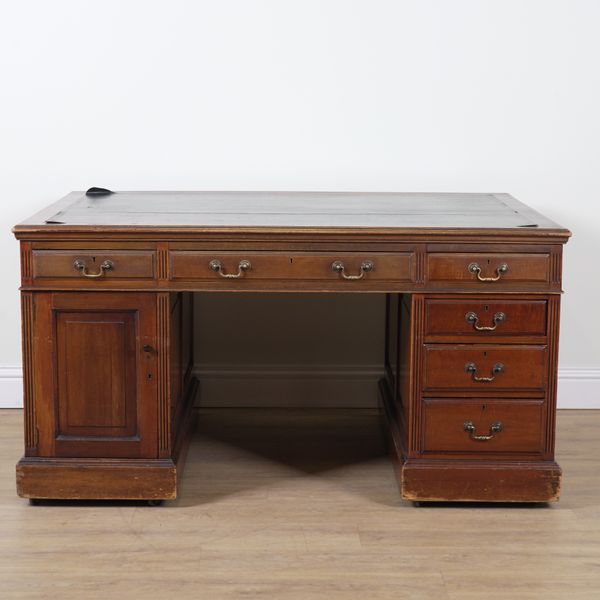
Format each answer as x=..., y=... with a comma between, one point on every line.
x=473, y=285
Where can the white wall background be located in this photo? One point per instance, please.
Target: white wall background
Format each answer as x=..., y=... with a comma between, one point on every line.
x=468, y=95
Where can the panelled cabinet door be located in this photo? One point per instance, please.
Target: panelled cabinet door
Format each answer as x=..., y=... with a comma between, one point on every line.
x=97, y=363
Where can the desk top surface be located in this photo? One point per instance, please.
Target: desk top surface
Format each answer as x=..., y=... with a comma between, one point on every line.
x=356, y=211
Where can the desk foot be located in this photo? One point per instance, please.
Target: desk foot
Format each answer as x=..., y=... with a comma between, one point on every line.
x=459, y=480
x=464, y=481
x=96, y=479
x=154, y=480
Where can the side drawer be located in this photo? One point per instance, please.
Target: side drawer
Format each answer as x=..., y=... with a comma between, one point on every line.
x=483, y=426
x=93, y=264
x=191, y=265
x=483, y=269
x=485, y=317
x=473, y=367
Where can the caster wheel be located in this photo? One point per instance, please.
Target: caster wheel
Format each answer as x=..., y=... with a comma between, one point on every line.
x=154, y=502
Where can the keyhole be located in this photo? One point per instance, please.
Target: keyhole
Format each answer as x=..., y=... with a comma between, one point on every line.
x=486, y=308
x=93, y=259
x=291, y=260
x=485, y=354
x=488, y=261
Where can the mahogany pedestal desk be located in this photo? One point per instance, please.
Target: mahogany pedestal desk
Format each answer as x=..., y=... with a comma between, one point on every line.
x=472, y=281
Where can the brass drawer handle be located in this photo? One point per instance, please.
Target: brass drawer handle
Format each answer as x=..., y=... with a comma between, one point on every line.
x=215, y=265
x=472, y=368
x=500, y=270
x=495, y=428
x=80, y=265
x=472, y=317
x=338, y=267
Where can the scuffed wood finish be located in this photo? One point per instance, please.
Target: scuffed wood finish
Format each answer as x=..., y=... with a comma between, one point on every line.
x=106, y=479
x=451, y=481
x=108, y=382
x=111, y=478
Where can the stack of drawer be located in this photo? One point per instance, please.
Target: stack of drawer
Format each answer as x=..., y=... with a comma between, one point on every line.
x=485, y=367
x=484, y=375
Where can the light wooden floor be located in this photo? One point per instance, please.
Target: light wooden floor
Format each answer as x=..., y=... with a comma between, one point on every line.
x=290, y=504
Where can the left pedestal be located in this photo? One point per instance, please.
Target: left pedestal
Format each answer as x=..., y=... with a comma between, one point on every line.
x=108, y=394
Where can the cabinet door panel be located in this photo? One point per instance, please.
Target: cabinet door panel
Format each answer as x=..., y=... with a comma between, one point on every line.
x=96, y=353
x=99, y=386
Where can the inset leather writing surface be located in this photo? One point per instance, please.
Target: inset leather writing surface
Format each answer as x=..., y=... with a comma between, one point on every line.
x=294, y=209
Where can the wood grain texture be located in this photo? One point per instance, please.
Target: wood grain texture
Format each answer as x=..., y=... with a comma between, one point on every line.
x=126, y=264
x=162, y=252
x=26, y=262
x=522, y=431
x=163, y=318
x=29, y=379
x=553, y=339
x=448, y=317
x=522, y=268
x=105, y=479
x=524, y=367
x=413, y=322
x=438, y=481
x=193, y=266
x=324, y=524
x=98, y=401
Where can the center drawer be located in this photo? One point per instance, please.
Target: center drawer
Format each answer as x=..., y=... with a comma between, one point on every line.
x=475, y=367
x=191, y=265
